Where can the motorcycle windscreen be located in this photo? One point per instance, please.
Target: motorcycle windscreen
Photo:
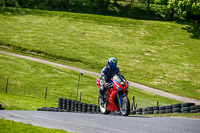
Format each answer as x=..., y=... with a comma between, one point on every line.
x=118, y=78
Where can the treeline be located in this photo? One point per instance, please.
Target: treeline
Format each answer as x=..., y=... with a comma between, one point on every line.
x=158, y=9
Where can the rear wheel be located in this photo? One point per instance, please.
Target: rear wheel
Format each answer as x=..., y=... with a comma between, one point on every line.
x=103, y=106
x=125, y=106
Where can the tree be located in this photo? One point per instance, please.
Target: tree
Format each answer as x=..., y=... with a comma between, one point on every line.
x=115, y=2
x=163, y=2
x=185, y=8
x=102, y=5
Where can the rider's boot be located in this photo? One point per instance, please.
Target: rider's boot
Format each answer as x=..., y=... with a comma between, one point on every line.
x=102, y=92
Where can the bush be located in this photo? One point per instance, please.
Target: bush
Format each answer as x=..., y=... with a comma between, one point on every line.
x=162, y=2
x=186, y=8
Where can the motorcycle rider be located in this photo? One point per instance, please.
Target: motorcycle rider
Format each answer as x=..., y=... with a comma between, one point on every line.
x=106, y=74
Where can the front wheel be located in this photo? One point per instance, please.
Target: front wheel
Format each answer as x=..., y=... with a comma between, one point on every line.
x=103, y=106
x=125, y=106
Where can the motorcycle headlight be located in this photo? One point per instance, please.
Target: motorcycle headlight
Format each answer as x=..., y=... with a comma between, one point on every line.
x=119, y=88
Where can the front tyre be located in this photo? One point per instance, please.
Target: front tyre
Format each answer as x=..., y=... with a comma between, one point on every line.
x=125, y=106
x=103, y=106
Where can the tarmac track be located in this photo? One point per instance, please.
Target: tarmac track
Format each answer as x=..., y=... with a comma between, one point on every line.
x=99, y=123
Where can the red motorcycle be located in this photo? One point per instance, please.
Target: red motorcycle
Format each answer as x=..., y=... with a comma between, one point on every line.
x=115, y=96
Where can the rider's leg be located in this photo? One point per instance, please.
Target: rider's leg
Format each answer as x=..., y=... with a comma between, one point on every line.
x=102, y=92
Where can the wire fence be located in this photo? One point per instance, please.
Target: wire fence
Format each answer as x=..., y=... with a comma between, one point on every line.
x=34, y=90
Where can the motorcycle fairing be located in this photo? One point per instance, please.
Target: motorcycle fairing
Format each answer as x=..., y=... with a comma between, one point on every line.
x=111, y=97
x=98, y=82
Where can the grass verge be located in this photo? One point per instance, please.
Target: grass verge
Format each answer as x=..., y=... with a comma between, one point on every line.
x=8, y=126
x=181, y=115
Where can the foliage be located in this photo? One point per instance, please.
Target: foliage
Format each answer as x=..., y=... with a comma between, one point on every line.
x=106, y=7
x=163, y=2
x=185, y=8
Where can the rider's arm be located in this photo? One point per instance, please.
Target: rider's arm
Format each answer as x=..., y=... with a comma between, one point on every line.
x=119, y=73
x=103, y=77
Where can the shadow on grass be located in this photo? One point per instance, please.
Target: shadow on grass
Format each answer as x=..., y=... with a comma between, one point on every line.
x=11, y=11
x=191, y=27
x=139, y=14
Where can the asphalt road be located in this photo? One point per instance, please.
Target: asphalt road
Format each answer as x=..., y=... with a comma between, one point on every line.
x=98, y=123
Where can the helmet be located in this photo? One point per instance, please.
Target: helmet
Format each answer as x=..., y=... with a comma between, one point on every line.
x=112, y=63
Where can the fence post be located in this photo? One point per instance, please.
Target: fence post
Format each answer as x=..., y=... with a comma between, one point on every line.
x=80, y=96
x=46, y=93
x=6, y=86
x=133, y=103
x=157, y=103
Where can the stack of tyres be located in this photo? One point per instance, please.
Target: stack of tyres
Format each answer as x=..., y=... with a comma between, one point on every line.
x=89, y=108
x=185, y=107
x=64, y=107
x=193, y=109
x=76, y=106
x=176, y=108
x=161, y=109
x=44, y=109
x=168, y=109
x=40, y=109
x=60, y=103
x=150, y=110
x=94, y=107
x=138, y=111
x=1, y=108
x=144, y=111
x=98, y=109
x=156, y=109
x=84, y=107
x=68, y=105
x=80, y=107
x=54, y=109
x=197, y=108
x=48, y=109
x=72, y=105
x=133, y=112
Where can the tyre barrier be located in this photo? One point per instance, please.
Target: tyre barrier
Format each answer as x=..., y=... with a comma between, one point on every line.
x=69, y=105
x=174, y=108
x=1, y=108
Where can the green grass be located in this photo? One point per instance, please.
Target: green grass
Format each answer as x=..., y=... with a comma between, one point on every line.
x=158, y=54
x=183, y=115
x=19, y=102
x=8, y=126
x=28, y=79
